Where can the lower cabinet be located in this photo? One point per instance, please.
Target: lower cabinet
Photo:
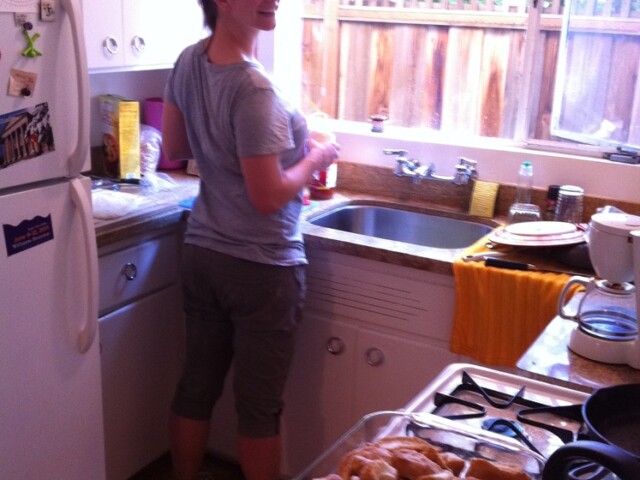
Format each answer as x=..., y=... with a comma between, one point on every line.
x=373, y=336
x=141, y=340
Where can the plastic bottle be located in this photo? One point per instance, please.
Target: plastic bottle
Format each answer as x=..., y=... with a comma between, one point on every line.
x=525, y=183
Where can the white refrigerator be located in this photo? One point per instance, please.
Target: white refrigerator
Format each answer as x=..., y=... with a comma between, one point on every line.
x=50, y=387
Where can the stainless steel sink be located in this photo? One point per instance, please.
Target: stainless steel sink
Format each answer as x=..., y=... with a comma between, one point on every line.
x=428, y=230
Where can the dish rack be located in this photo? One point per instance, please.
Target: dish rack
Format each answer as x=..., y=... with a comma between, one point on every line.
x=465, y=441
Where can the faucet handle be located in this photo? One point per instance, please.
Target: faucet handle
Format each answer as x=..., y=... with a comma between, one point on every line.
x=467, y=162
x=465, y=171
x=396, y=152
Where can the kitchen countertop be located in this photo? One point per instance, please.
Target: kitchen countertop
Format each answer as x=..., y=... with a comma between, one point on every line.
x=164, y=211
x=549, y=359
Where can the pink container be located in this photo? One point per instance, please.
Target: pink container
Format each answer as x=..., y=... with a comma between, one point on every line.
x=152, y=116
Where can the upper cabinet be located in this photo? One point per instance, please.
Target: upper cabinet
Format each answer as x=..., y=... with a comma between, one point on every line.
x=140, y=34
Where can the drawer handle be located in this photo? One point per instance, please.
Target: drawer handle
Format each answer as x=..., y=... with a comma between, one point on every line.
x=374, y=356
x=335, y=346
x=110, y=44
x=130, y=271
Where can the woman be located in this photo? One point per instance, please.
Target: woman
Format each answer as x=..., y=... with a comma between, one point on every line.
x=243, y=261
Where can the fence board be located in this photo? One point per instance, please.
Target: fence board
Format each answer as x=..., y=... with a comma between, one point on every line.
x=587, y=65
x=624, y=57
x=432, y=96
x=546, y=65
x=312, y=65
x=492, y=82
x=513, y=79
x=462, y=70
x=403, y=85
x=381, y=68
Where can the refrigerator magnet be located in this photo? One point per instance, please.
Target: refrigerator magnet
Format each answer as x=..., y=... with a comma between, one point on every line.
x=27, y=234
x=21, y=82
x=48, y=10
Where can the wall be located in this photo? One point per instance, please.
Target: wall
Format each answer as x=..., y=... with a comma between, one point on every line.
x=599, y=178
x=134, y=85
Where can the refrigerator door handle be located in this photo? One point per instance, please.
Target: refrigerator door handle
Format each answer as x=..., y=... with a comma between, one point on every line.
x=89, y=324
x=81, y=152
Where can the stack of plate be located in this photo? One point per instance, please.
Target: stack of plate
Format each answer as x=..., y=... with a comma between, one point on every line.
x=538, y=234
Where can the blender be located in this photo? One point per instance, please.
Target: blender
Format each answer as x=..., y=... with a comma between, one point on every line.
x=606, y=316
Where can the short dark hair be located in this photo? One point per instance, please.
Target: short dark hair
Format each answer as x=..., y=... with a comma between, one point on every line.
x=210, y=11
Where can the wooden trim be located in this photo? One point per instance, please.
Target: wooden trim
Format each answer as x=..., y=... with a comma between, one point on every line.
x=480, y=19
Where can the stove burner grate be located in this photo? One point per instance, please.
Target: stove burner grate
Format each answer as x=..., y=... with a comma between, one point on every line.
x=523, y=410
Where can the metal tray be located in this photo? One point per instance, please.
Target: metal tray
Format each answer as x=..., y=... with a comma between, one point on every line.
x=466, y=441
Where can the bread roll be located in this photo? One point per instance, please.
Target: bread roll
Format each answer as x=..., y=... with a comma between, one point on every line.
x=452, y=461
x=411, y=464
x=378, y=470
x=353, y=462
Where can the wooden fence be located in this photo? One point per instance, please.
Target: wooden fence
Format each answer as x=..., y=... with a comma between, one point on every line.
x=452, y=65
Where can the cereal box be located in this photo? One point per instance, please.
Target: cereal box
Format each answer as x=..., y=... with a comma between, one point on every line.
x=120, y=129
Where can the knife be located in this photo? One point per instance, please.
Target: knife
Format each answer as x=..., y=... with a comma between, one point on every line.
x=513, y=265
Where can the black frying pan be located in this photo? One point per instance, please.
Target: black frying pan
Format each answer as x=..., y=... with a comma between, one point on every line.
x=612, y=415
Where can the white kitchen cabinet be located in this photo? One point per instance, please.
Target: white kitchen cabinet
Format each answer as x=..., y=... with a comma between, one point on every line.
x=141, y=340
x=373, y=336
x=125, y=35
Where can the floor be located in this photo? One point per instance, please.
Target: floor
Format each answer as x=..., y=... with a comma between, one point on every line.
x=213, y=469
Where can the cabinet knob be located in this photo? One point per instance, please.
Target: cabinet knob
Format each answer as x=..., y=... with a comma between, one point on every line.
x=335, y=346
x=110, y=44
x=130, y=271
x=374, y=357
x=138, y=43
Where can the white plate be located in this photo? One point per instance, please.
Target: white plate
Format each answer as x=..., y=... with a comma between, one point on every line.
x=500, y=235
x=541, y=228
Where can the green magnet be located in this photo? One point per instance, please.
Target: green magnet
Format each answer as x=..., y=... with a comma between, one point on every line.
x=30, y=51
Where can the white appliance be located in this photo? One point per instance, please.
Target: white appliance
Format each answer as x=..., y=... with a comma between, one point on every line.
x=606, y=318
x=50, y=399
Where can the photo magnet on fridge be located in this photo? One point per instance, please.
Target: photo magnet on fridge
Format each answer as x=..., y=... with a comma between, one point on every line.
x=25, y=134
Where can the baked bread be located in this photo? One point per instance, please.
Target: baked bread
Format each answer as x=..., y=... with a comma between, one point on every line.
x=378, y=470
x=452, y=462
x=411, y=458
x=412, y=464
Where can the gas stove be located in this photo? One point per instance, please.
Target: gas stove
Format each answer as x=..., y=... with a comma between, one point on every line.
x=475, y=411
x=538, y=415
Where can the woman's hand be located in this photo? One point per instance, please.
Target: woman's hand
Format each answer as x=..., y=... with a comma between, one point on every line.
x=323, y=152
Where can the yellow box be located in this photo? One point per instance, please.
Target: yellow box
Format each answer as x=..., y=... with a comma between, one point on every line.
x=120, y=129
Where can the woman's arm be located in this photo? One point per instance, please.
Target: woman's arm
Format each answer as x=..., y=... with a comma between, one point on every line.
x=175, y=143
x=269, y=187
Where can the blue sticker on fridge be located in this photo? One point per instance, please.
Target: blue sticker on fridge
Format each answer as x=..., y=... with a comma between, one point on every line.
x=27, y=234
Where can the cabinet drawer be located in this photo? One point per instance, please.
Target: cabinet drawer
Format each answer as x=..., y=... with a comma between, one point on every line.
x=137, y=270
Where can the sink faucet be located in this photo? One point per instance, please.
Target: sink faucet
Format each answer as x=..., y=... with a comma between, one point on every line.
x=405, y=167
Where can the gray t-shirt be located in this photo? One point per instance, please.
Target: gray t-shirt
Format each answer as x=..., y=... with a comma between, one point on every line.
x=234, y=111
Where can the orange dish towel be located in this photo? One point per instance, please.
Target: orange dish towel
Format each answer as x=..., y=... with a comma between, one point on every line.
x=499, y=313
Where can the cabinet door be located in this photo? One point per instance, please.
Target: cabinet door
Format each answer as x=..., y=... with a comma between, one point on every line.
x=150, y=32
x=319, y=391
x=103, y=33
x=141, y=33
x=391, y=370
x=140, y=354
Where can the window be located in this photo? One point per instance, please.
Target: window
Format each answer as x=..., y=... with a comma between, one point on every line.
x=597, y=97
x=477, y=67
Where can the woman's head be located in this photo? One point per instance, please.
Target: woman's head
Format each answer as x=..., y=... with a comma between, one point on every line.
x=210, y=11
